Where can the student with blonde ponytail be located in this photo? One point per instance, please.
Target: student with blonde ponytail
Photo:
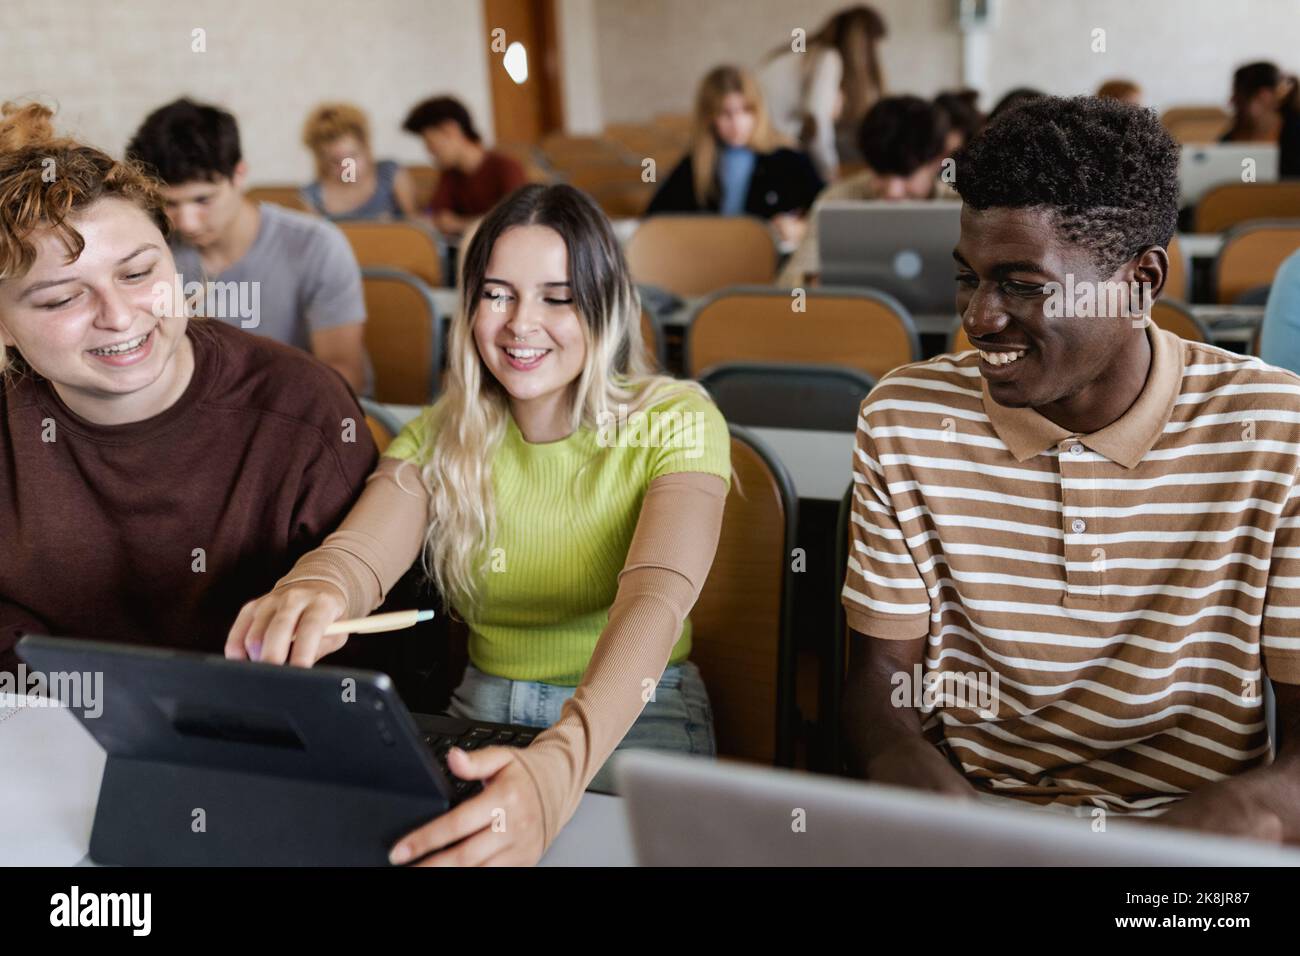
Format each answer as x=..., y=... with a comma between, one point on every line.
x=567, y=503
x=738, y=164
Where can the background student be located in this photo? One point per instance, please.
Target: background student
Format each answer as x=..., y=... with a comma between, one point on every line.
x=472, y=178
x=736, y=163
x=818, y=96
x=298, y=270
x=1258, y=92
x=158, y=472
x=905, y=140
x=573, y=555
x=349, y=183
x=1126, y=91
x=964, y=117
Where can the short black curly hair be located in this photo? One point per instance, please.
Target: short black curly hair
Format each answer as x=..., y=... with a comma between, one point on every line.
x=1108, y=170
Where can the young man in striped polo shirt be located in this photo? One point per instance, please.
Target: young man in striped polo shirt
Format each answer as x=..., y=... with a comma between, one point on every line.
x=1081, y=540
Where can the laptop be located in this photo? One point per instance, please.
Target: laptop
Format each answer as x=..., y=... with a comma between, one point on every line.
x=1202, y=166
x=903, y=248
x=213, y=762
x=689, y=811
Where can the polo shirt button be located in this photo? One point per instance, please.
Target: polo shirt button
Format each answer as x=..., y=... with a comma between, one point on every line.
x=1078, y=526
x=1076, y=449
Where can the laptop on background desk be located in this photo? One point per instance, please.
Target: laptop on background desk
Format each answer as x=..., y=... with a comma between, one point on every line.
x=213, y=762
x=903, y=248
x=1202, y=166
x=688, y=811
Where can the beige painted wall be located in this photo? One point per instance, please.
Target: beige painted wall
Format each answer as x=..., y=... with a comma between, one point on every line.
x=107, y=63
x=652, y=52
x=1180, y=51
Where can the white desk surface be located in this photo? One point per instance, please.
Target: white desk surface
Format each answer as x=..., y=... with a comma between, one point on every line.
x=51, y=768
x=1200, y=245
x=820, y=463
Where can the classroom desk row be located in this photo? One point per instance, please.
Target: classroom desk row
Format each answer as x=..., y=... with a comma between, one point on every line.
x=51, y=768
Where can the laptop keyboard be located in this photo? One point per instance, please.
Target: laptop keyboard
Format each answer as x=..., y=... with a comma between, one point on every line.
x=475, y=737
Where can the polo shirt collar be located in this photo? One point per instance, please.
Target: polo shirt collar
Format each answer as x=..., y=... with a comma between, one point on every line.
x=1127, y=439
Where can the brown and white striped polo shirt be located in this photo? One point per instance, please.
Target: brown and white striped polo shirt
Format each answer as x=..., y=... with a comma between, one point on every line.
x=1123, y=592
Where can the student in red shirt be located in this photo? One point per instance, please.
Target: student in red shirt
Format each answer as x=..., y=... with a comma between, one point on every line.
x=473, y=178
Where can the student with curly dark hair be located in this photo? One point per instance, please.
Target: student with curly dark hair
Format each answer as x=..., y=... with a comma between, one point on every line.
x=1074, y=563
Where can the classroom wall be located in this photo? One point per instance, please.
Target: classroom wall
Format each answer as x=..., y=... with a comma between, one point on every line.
x=1179, y=51
x=653, y=52
x=580, y=66
x=107, y=64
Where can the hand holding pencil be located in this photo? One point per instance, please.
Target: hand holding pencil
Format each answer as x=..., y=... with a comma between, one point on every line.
x=300, y=624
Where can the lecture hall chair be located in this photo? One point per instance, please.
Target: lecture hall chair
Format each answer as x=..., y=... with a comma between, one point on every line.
x=1174, y=316
x=382, y=423
x=653, y=341
x=742, y=635
x=1176, y=282
x=855, y=328
x=1196, y=124
x=693, y=255
x=1250, y=256
x=286, y=195
x=564, y=152
x=1231, y=204
x=403, y=337
x=647, y=141
x=830, y=706
x=679, y=125
x=627, y=200
x=425, y=180
x=409, y=247
x=788, y=395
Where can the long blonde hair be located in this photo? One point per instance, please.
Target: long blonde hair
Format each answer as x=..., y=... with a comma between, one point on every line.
x=466, y=425
x=716, y=85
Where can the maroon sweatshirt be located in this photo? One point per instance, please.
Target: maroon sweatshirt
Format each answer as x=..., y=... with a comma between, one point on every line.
x=157, y=532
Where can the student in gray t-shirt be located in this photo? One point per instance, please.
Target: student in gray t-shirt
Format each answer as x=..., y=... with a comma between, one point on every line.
x=270, y=270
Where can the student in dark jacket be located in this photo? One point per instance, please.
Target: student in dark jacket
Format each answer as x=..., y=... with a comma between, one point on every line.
x=737, y=164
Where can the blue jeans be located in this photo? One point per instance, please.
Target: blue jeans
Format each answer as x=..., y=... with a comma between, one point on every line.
x=679, y=718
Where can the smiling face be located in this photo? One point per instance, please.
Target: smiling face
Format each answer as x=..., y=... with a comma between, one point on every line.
x=526, y=326
x=1029, y=356
x=96, y=328
x=735, y=120
x=200, y=211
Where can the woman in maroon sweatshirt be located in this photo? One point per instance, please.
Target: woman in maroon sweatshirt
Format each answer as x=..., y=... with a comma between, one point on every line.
x=156, y=472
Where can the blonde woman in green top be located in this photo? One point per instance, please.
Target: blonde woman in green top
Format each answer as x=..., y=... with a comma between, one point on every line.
x=567, y=503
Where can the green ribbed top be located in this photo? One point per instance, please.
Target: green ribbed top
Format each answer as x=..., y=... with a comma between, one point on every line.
x=563, y=531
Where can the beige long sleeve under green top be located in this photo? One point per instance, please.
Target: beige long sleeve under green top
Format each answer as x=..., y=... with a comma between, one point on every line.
x=669, y=558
